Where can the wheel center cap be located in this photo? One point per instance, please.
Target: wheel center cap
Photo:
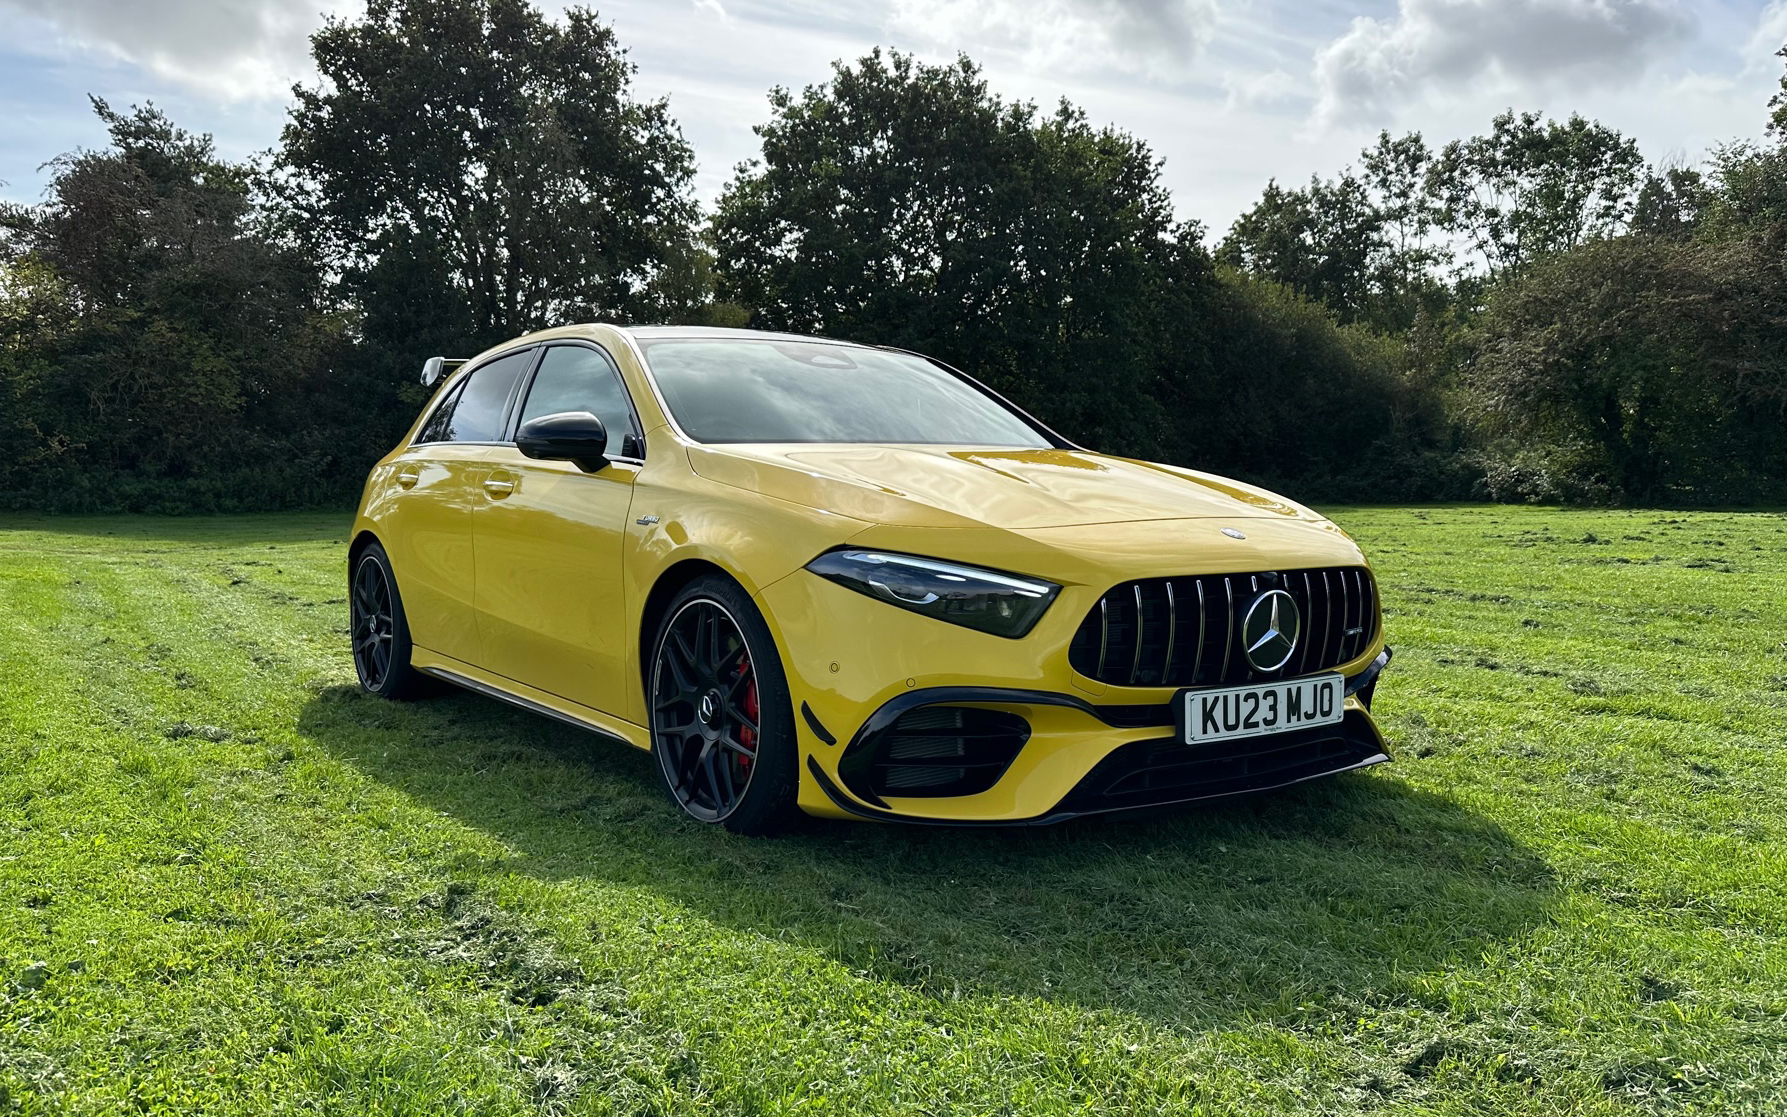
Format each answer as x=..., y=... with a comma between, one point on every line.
x=710, y=709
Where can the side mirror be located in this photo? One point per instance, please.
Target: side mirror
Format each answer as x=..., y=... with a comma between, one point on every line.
x=569, y=436
x=436, y=367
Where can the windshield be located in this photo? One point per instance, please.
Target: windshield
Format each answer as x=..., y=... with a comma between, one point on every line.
x=779, y=391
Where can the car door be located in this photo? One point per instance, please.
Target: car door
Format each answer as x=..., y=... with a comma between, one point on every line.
x=548, y=537
x=428, y=531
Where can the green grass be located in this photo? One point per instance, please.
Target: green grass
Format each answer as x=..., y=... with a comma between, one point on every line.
x=230, y=884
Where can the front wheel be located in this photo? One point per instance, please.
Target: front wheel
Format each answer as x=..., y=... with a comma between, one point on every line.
x=722, y=724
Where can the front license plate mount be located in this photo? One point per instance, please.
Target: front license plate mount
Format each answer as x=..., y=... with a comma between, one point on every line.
x=1258, y=709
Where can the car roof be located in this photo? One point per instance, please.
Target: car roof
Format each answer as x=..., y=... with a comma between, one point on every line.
x=719, y=333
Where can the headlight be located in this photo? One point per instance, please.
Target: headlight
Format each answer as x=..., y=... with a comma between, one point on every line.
x=1003, y=604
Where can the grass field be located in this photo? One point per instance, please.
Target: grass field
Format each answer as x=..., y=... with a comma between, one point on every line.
x=230, y=884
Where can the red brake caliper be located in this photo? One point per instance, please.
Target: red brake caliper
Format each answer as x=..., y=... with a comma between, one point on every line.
x=748, y=737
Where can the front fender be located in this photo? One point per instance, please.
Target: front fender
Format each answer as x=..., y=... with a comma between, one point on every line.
x=679, y=516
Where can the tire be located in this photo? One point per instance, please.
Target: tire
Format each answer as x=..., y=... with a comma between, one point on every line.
x=378, y=631
x=714, y=665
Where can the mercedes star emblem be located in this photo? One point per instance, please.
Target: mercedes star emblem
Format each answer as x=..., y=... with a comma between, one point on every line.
x=1269, y=631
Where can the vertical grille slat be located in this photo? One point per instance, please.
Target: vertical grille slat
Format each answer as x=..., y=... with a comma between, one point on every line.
x=1173, y=631
x=1138, y=633
x=1135, y=661
x=1328, y=648
x=1104, y=632
x=1367, y=616
x=1308, y=604
x=1228, y=643
x=1198, y=665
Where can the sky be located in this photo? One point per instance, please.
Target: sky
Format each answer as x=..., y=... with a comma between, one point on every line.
x=1229, y=93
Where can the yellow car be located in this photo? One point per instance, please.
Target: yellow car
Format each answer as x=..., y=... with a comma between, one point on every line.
x=851, y=581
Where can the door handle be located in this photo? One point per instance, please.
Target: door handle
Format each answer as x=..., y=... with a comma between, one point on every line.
x=407, y=478
x=498, y=488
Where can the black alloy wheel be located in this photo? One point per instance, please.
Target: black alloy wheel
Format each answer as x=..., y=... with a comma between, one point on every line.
x=721, y=726
x=374, y=629
x=378, y=630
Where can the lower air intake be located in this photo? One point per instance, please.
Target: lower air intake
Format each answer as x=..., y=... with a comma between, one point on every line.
x=936, y=751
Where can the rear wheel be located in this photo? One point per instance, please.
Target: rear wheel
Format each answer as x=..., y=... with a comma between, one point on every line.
x=722, y=724
x=379, y=630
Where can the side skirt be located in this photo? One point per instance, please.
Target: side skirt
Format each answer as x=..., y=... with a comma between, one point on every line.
x=479, y=682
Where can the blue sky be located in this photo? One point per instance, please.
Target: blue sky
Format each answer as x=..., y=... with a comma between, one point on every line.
x=1229, y=92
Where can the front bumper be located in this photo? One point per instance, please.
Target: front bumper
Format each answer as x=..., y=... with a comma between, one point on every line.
x=1087, y=748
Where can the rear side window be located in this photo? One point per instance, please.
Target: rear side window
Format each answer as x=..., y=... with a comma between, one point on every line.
x=475, y=412
x=440, y=422
x=576, y=378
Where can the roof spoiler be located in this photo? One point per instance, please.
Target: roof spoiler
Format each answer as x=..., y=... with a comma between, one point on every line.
x=436, y=367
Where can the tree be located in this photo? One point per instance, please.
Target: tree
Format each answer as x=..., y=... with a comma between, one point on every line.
x=1777, y=117
x=1361, y=245
x=1671, y=202
x=1639, y=369
x=476, y=171
x=1411, y=256
x=1748, y=182
x=150, y=335
x=903, y=203
x=1324, y=242
x=1530, y=188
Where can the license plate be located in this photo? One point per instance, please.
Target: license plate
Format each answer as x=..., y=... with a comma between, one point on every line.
x=1253, y=711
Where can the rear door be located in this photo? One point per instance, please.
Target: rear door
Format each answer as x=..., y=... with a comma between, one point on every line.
x=548, y=540
x=428, y=533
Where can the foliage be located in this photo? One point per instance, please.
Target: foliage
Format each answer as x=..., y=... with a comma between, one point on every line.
x=1362, y=245
x=1322, y=242
x=1531, y=188
x=1642, y=369
x=1289, y=399
x=482, y=162
x=156, y=350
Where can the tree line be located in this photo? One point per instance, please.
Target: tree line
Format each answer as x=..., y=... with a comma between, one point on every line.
x=1535, y=313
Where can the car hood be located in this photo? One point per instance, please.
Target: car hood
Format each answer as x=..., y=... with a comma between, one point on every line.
x=1018, y=490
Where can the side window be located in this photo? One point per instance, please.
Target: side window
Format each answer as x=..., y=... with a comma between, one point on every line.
x=476, y=414
x=442, y=420
x=577, y=378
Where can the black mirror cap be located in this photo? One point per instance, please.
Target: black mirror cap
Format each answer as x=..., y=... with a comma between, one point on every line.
x=569, y=436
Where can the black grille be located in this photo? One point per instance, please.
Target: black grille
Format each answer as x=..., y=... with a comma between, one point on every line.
x=1149, y=773
x=1185, y=631
x=940, y=750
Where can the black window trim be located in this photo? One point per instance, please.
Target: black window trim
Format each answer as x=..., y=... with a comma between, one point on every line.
x=518, y=403
x=456, y=386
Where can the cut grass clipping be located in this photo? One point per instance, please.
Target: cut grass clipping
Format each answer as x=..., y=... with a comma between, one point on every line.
x=231, y=884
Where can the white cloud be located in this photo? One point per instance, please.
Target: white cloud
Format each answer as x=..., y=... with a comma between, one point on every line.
x=1436, y=44
x=714, y=8
x=1770, y=36
x=1273, y=87
x=233, y=49
x=1158, y=37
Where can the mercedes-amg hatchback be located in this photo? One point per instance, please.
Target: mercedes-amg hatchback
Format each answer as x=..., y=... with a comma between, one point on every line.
x=851, y=581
